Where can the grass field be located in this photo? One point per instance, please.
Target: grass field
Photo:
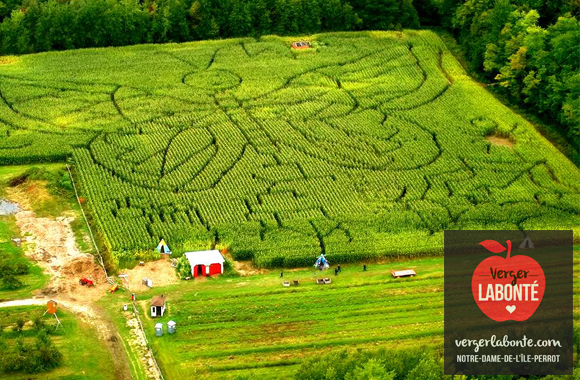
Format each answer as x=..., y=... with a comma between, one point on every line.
x=254, y=327
x=84, y=357
x=368, y=146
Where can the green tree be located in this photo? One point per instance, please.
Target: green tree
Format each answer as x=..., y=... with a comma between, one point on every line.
x=427, y=369
x=260, y=13
x=377, y=14
x=371, y=370
x=309, y=19
x=239, y=21
x=409, y=18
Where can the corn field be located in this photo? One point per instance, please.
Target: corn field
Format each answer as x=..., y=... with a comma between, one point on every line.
x=369, y=145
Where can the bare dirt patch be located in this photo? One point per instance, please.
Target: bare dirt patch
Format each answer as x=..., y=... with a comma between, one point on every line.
x=244, y=268
x=160, y=272
x=501, y=141
x=51, y=243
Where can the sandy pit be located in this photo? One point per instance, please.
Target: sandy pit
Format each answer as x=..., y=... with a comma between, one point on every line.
x=160, y=272
x=51, y=243
x=501, y=141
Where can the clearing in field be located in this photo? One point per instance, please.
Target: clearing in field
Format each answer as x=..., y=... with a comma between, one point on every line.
x=370, y=145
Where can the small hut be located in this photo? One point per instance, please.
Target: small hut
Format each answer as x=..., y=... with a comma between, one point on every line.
x=158, y=306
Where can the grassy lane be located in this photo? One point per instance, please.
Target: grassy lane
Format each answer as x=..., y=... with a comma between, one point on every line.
x=138, y=371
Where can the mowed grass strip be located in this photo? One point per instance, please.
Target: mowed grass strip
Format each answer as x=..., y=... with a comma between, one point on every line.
x=232, y=326
x=252, y=326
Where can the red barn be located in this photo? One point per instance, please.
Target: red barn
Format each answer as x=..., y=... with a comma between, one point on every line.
x=205, y=263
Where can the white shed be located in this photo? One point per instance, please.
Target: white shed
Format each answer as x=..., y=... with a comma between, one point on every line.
x=205, y=263
x=158, y=306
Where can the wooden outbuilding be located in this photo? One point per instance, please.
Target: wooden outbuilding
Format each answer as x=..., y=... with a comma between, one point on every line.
x=158, y=306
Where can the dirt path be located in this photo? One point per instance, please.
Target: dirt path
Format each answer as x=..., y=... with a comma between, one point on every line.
x=140, y=344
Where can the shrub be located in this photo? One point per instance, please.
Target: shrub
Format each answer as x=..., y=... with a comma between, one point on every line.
x=30, y=357
x=183, y=268
x=19, y=325
x=10, y=282
x=371, y=370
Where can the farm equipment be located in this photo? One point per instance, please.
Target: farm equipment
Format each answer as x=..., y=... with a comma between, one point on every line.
x=85, y=281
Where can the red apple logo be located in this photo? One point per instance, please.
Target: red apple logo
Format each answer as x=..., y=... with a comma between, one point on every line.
x=507, y=288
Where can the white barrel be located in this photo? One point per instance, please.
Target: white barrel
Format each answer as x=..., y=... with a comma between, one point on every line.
x=171, y=327
x=158, y=329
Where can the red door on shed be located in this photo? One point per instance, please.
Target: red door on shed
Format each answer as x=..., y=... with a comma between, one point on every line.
x=199, y=270
x=215, y=269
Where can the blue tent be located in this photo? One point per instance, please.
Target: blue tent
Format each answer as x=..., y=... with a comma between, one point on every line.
x=321, y=262
x=163, y=248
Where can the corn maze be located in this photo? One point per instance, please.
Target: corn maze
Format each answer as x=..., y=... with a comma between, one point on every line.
x=371, y=144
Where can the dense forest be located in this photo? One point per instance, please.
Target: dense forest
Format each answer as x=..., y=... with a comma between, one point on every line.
x=527, y=48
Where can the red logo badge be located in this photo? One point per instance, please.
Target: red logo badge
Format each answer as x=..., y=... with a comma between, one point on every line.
x=507, y=288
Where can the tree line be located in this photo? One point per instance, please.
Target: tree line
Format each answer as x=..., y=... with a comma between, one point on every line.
x=528, y=48
x=42, y=25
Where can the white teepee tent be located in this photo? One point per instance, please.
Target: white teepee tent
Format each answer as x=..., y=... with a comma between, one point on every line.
x=163, y=248
x=527, y=243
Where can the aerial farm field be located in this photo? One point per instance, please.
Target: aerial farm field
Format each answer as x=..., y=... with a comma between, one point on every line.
x=365, y=147
x=369, y=145
x=252, y=326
